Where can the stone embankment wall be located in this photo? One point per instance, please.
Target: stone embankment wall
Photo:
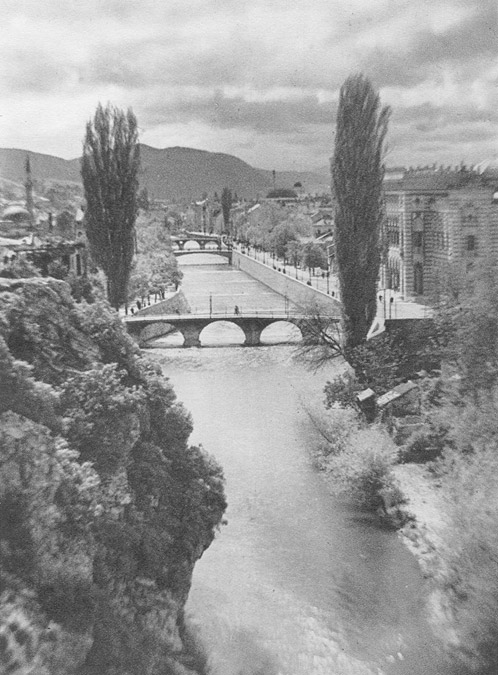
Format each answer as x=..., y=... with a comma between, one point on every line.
x=296, y=291
x=176, y=304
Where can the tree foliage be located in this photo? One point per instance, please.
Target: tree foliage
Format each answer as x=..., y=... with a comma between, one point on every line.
x=104, y=505
x=357, y=174
x=314, y=256
x=109, y=169
x=226, y=205
x=155, y=266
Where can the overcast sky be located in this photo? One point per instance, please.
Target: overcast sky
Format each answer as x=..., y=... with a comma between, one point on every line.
x=255, y=78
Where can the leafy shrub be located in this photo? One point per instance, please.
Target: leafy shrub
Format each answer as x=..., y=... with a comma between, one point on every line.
x=342, y=391
x=359, y=460
x=17, y=549
x=471, y=483
x=363, y=469
x=68, y=600
x=82, y=288
x=99, y=416
x=425, y=445
x=19, y=268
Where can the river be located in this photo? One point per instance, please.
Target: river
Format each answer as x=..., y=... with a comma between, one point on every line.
x=295, y=583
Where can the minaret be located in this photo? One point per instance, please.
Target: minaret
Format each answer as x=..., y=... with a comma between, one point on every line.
x=29, y=192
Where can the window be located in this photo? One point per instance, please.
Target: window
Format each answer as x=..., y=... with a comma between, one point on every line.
x=418, y=239
x=418, y=279
x=471, y=242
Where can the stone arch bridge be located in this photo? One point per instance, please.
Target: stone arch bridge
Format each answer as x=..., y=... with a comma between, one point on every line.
x=207, y=243
x=145, y=328
x=224, y=253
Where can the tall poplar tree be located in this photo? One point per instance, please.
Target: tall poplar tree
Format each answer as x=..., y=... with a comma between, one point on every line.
x=357, y=175
x=226, y=205
x=109, y=169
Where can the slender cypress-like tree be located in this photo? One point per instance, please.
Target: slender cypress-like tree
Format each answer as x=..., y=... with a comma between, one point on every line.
x=357, y=175
x=226, y=205
x=109, y=168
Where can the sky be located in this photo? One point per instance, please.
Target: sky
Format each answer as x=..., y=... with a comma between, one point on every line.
x=258, y=79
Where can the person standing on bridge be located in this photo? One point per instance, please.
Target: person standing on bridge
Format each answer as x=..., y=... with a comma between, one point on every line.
x=236, y=310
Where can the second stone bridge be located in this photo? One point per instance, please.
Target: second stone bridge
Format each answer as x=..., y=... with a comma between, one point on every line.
x=145, y=328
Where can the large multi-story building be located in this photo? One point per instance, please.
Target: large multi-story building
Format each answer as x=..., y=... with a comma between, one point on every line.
x=438, y=222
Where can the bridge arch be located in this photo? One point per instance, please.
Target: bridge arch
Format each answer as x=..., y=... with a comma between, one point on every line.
x=233, y=334
x=284, y=329
x=192, y=245
x=154, y=331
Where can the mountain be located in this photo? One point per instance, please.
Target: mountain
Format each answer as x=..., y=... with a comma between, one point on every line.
x=170, y=173
x=43, y=167
x=188, y=173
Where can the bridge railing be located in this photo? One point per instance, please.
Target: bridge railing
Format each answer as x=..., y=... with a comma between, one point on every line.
x=258, y=314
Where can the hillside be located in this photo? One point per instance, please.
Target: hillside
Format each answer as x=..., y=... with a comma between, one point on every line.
x=43, y=167
x=170, y=173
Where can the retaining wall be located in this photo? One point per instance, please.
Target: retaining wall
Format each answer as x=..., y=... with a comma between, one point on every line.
x=176, y=304
x=298, y=292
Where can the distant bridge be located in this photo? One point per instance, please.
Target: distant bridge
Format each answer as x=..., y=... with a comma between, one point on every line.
x=150, y=327
x=224, y=253
x=205, y=243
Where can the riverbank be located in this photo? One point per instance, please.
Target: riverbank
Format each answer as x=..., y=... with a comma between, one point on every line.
x=427, y=511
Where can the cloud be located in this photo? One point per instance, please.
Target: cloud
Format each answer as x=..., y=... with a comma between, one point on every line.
x=276, y=116
x=260, y=77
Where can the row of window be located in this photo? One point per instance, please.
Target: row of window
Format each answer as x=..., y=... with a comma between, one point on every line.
x=441, y=241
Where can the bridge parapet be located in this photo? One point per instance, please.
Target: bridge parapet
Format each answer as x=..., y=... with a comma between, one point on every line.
x=191, y=325
x=224, y=253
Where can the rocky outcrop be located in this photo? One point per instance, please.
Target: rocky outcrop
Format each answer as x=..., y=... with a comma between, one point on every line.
x=104, y=507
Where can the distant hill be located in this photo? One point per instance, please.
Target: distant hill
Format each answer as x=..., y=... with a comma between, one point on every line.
x=43, y=167
x=170, y=173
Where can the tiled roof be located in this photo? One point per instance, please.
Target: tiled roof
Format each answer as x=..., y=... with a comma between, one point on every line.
x=436, y=181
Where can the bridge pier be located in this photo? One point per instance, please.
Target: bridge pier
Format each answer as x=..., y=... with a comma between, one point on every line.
x=191, y=335
x=253, y=335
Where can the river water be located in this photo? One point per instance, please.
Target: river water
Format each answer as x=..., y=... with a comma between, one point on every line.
x=295, y=583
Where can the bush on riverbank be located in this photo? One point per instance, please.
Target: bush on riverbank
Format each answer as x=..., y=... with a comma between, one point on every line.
x=358, y=461
x=471, y=553
x=468, y=475
x=462, y=427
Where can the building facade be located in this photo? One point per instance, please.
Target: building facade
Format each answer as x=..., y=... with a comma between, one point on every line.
x=438, y=223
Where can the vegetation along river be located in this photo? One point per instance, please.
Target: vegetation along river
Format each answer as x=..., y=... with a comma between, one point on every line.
x=295, y=583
